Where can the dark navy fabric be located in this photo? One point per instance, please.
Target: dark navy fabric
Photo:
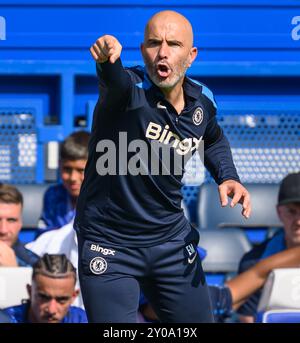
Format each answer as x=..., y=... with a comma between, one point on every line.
x=25, y=257
x=145, y=210
x=169, y=276
x=270, y=247
x=202, y=254
x=57, y=209
x=19, y=314
x=221, y=300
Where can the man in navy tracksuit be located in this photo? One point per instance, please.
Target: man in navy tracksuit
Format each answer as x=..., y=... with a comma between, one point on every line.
x=132, y=232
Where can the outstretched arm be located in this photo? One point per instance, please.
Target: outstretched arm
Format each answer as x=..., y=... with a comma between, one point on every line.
x=246, y=283
x=106, y=51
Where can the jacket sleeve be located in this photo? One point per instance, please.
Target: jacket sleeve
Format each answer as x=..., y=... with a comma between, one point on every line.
x=114, y=82
x=217, y=154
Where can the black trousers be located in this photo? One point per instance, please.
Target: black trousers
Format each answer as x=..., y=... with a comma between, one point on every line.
x=170, y=275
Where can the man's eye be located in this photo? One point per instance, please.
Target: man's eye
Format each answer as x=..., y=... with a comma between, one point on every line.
x=44, y=297
x=68, y=170
x=63, y=300
x=153, y=43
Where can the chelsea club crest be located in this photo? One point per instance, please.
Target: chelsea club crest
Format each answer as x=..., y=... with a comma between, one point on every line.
x=198, y=116
x=98, y=265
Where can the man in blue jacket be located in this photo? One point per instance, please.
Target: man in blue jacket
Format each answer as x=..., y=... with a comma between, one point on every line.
x=50, y=295
x=12, y=252
x=132, y=232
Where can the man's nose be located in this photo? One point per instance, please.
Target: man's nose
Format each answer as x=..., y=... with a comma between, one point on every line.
x=73, y=175
x=163, y=50
x=52, y=306
x=3, y=226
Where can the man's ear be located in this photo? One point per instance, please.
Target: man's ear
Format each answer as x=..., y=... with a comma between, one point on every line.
x=75, y=294
x=192, y=56
x=278, y=212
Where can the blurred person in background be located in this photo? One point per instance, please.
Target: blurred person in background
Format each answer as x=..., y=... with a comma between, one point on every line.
x=288, y=209
x=12, y=252
x=51, y=294
x=60, y=200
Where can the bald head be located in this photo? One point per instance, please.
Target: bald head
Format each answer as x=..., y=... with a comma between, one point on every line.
x=170, y=21
x=168, y=50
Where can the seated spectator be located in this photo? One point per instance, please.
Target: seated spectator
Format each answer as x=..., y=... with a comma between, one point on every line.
x=62, y=241
x=50, y=295
x=12, y=252
x=288, y=209
x=60, y=200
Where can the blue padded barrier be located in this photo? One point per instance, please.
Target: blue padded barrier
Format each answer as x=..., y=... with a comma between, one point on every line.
x=279, y=316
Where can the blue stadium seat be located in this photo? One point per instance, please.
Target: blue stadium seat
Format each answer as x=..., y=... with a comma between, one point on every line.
x=264, y=216
x=224, y=249
x=33, y=195
x=33, y=203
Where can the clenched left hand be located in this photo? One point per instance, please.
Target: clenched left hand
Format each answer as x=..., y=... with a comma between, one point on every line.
x=238, y=193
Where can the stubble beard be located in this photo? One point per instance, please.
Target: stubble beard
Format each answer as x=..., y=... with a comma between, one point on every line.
x=177, y=74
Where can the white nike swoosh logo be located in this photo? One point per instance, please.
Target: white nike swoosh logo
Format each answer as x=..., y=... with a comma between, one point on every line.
x=159, y=105
x=191, y=260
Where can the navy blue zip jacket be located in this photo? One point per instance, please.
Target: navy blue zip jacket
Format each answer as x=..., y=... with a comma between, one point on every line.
x=144, y=209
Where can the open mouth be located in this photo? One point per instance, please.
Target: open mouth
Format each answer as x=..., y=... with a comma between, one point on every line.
x=52, y=321
x=163, y=70
x=74, y=187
